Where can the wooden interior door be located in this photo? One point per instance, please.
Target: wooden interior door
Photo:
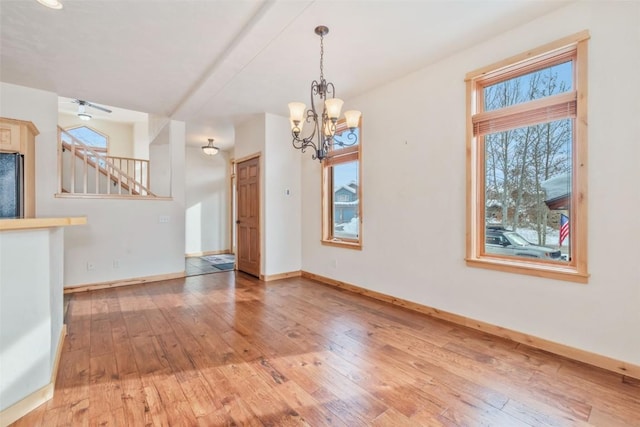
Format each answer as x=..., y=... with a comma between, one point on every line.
x=248, y=220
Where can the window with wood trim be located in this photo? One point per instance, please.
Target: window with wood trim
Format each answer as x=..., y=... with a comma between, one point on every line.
x=342, y=190
x=526, y=162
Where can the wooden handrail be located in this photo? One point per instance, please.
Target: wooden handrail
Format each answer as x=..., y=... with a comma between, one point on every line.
x=98, y=168
x=128, y=158
x=112, y=172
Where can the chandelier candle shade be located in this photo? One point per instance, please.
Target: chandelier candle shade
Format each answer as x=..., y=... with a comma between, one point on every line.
x=210, y=149
x=322, y=135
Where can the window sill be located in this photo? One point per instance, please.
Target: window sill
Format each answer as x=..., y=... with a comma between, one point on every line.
x=342, y=244
x=565, y=273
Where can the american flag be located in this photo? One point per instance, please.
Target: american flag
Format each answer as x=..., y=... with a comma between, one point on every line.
x=564, y=227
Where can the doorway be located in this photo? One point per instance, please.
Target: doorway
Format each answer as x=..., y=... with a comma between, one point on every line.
x=248, y=216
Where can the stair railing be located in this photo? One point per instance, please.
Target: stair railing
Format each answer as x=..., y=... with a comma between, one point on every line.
x=136, y=168
x=103, y=166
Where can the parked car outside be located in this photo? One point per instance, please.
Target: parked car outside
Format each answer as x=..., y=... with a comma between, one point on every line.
x=501, y=241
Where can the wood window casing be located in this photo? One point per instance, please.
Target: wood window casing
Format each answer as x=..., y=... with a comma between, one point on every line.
x=336, y=157
x=571, y=105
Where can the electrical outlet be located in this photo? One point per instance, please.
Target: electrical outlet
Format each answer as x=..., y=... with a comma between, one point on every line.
x=334, y=263
x=116, y=263
x=91, y=265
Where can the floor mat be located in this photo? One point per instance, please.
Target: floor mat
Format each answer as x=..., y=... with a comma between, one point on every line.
x=195, y=266
x=223, y=267
x=220, y=259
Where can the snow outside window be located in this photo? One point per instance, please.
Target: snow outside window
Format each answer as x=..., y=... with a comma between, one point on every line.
x=342, y=191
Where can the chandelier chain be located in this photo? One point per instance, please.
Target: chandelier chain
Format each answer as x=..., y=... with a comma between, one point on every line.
x=321, y=57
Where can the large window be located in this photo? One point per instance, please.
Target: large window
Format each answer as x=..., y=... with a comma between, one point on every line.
x=342, y=190
x=526, y=162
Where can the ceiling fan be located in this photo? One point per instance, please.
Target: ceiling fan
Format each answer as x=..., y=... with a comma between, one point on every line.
x=82, y=108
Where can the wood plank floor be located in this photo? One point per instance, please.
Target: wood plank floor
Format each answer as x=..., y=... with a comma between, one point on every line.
x=226, y=349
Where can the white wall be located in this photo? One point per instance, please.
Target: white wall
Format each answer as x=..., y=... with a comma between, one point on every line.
x=128, y=231
x=160, y=164
x=141, y=140
x=280, y=217
x=27, y=335
x=207, y=201
x=283, y=199
x=250, y=137
x=414, y=194
x=34, y=332
x=121, y=137
x=31, y=310
x=56, y=280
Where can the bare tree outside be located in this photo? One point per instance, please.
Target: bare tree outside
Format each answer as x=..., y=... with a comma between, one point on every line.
x=518, y=161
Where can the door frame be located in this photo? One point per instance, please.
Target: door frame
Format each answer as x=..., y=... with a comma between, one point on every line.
x=232, y=206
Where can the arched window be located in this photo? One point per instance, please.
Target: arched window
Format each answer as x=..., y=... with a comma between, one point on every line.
x=91, y=138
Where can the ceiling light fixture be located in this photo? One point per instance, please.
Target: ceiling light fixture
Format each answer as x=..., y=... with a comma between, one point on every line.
x=210, y=150
x=82, y=112
x=325, y=125
x=51, y=4
x=82, y=108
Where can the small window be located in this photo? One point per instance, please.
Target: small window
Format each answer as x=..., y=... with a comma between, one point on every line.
x=526, y=161
x=342, y=190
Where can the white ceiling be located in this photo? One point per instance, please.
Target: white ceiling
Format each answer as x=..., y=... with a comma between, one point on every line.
x=213, y=63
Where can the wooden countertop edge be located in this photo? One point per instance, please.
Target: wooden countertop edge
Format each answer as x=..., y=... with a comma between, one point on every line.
x=31, y=223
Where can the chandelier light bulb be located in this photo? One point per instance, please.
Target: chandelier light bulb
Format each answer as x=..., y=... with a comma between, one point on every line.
x=352, y=118
x=333, y=105
x=296, y=111
x=329, y=128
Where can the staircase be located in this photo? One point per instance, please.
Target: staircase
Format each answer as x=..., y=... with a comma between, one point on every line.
x=85, y=171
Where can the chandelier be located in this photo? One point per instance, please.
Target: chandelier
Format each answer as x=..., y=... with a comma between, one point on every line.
x=322, y=135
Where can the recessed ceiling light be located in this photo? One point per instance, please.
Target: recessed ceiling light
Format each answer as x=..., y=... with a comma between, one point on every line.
x=52, y=4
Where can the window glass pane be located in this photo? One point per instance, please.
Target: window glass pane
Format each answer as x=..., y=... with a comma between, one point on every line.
x=528, y=191
x=539, y=84
x=89, y=137
x=346, y=138
x=345, y=200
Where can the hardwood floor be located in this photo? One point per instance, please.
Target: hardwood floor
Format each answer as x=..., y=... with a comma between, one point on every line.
x=226, y=349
